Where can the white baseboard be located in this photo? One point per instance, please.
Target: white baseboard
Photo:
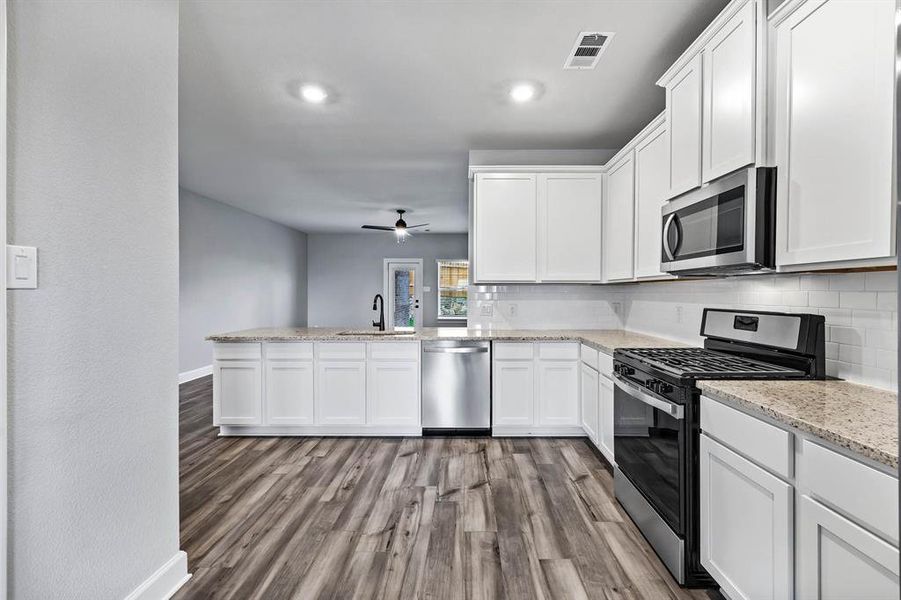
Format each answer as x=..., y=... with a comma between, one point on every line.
x=167, y=580
x=533, y=431
x=195, y=374
x=321, y=430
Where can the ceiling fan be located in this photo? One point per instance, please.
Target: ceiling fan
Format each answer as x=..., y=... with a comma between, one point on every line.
x=400, y=229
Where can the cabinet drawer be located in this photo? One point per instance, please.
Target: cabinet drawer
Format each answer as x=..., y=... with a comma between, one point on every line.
x=289, y=350
x=341, y=351
x=605, y=364
x=761, y=442
x=558, y=351
x=866, y=495
x=506, y=351
x=237, y=351
x=589, y=356
x=394, y=350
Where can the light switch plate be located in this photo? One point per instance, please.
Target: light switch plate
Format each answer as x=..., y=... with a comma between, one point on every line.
x=426, y=289
x=21, y=267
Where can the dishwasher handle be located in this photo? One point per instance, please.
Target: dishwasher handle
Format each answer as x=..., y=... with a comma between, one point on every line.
x=456, y=350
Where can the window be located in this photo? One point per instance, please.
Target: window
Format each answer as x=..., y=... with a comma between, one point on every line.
x=453, y=288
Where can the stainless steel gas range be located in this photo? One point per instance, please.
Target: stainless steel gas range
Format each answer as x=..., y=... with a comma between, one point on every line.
x=656, y=420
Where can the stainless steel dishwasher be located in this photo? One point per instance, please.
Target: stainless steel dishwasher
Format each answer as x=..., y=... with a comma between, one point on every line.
x=456, y=387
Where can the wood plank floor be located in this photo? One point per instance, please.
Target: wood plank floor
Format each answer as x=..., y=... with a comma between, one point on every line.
x=273, y=518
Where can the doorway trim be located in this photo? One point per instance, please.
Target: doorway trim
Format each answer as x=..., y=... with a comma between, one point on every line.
x=386, y=289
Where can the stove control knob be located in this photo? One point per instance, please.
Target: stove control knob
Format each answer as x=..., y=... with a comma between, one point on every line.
x=624, y=370
x=663, y=388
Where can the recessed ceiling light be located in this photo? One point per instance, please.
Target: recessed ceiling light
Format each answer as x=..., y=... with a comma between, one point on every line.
x=522, y=92
x=313, y=93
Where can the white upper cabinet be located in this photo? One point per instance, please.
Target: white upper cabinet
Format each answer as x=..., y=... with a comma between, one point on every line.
x=569, y=226
x=506, y=244
x=618, y=220
x=834, y=105
x=683, y=121
x=651, y=166
x=729, y=63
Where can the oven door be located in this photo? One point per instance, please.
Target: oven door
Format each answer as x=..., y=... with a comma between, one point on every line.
x=649, y=441
x=715, y=229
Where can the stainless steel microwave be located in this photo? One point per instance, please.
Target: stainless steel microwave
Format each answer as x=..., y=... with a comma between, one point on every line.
x=724, y=228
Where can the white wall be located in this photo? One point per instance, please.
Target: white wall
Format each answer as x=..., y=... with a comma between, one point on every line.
x=93, y=364
x=860, y=310
x=345, y=271
x=237, y=271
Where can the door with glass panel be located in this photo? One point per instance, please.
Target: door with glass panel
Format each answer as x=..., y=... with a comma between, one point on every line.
x=403, y=294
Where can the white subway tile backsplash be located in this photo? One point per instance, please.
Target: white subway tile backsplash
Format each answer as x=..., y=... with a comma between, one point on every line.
x=882, y=281
x=846, y=335
x=865, y=300
x=848, y=281
x=823, y=299
x=860, y=311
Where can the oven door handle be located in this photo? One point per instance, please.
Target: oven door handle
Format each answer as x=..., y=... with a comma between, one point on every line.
x=674, y=410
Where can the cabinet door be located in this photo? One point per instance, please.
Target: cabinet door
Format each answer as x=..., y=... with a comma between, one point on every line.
x=558, y=393
x=683, y=122
x=729, y=66
x=393, y=393
x=569, y=227
x=651, y=166
x=513, y=401
x=289, y=392
x=838, y=560
x=605, y=410
x=505, y=211
x=237, y=392
x=746, y=526
x=341, y=394
x=833, y=139
x=619, y=207
x=589, y=401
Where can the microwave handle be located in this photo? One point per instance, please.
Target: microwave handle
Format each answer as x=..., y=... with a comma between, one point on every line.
x=670, y=252
x=676, y=411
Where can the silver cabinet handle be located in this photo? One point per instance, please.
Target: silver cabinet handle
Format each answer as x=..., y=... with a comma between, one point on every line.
x=463, y=350
x=676, y=411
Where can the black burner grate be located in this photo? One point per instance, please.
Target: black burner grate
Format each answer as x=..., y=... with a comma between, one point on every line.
x=701, y=363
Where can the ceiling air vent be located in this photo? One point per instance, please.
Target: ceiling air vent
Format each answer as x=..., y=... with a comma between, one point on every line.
x=587, y=50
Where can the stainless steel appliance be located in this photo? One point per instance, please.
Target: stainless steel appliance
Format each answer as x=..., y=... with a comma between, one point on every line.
x=456, y=387
x=656, y=422
x=725, y=227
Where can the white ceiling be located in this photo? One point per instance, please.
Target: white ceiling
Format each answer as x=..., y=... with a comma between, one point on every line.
x=416, y=85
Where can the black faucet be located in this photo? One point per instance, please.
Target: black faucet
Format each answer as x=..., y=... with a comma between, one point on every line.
x=378, y=303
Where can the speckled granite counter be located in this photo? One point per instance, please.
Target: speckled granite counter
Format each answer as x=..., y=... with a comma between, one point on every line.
x=859, y=418
x=605, y=340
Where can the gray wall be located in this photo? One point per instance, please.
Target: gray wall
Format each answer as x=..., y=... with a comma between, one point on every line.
x=237, y=271
x=93, y=365
x=345, y=272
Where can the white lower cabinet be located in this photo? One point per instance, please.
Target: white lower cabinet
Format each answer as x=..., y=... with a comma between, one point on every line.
x=536, y=389
x=746, y=525
x=825, y=528
x=290, y=392
x=558, y=393
x=513, y=397
x=838, y=560
x=605, y=414
x=589, y=401
x=237, y=392
x=393, y=393
x=341, y=393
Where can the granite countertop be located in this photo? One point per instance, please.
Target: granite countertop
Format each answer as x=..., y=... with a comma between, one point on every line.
x=605, y=340
x=857, y=417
